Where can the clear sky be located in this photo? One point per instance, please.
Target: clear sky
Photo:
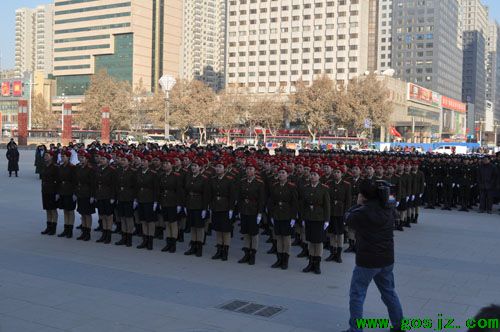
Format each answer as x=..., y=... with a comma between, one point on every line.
x=7, y=24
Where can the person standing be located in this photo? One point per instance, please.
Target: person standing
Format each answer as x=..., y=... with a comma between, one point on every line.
x=84, y=192
x=222, y=204
x=354, y=180
x=283, y=203
x=316, y=200
x=13, y=158
x=374, y=225
x=41, y=150
x=50, y=183
x=486, y=179
x=104, y=178
x=126, y=189
x=250, y=203
x=147, y=202
x=66, y=191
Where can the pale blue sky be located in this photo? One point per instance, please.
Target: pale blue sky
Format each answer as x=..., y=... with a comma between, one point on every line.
x=7, y=19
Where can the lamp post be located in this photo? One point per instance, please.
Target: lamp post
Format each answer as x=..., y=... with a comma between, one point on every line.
x=480, y=123
x=167, y=82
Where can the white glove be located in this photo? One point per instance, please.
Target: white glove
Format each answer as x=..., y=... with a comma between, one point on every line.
x=397, y=204
x=203, y=214
x=155, y=206
x=453, y=185
x=303, y=223
x=179, y=209
x=259, y=218
x=92, y=200
x=458, y=186
x=412, y=197
x=135, y=204
x=272, y=221
x=230, y=214
x=112, y=201
x=421, y=195
x=186, y=211
x=57, y=197
x=326, y=225
x=74, y=198
x=292, y=222
x=407, y=198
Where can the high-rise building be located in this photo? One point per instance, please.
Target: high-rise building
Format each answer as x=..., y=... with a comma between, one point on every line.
x=474, y=74
x=384, y=35
x=135, y=41
x=204, y=37
x=493, y=68
x=34, y=39
x=427, y=44
x=273, y=44
x=474, y=16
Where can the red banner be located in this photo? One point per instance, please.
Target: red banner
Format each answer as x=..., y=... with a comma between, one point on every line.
x=453, y=104
x=394, y=132
x=5, y=89
x=17, y=88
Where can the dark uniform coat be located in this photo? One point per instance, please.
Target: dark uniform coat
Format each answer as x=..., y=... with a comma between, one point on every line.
x=222, y=200
x=67, y=185
x=316, y=208
x=50, y=184
x=250, y=202
x=84, y=189
x=171, y=195
x=283, y=206
x=105, y=190
x=340, y=198
x=147, y=194
x=126, y=190
x=197, y=197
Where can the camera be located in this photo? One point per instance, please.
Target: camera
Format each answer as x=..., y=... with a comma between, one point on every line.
x=386, y=194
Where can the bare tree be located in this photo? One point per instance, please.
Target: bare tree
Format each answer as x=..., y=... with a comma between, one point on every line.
x=42, y=116
x=268, y=112
x=232, y=104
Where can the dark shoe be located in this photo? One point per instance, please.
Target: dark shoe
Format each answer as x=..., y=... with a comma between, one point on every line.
x=102, y=238
x=326, y=245
x=192, y=249
x=218, y=254
x=338, y=256
x=199, y=249
x=180, y=238
x=83, y=235
x=245, y=258
x=128, y=240
x=137, y=230
x=333, y=253
x=122, y=240
x=309, y=266
x=53, y=228
x=317, y=265
x=297, y=241
x=173, y=246
x=284, y=264
x=64, y=233
x=279, y=261
x=144, y=243
x=47, y=229
x=159, y=233
x=79, y=227
x=407, y=223
x=415, y=219
x=150, y=242
x=273, y=249
x=107, y=240
x=99, y=228
x=251, y=260
x=167, y=247
x=304, y=252
x=69, y=232
x=225, y=252
x=351, y=247
x=87, y=234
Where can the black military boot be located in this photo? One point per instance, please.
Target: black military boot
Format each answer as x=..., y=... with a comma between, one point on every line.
x=225, y=252
x=167, y=247
x=333, y=254
x=304, y=252
x=173, y=245
x=79, y=227
x=136, y=230
x=246, y=257
x=273, y=248
x=192, y=249
x=128, y=239
x=150, y=242
x=107, y=240
x=69, y=232
x=406, y=223
x=63, y=234
x=199, y=249
x=180, y=238
x=284, y=263
x=279, y=260
x=204, y=238
x=218, y=254
x=122, y=240
x=118, y=228
x=83, y=235
x=399, y=227
x=351, y=247
x=87, y=234
x=47, y=229
x=415, y=219
x=338, y=256
x=99, y=228
x=251, y=260
x=158, y=233
x=296, y=241
x=317, y=265
x=144, y=243
x=309, y=266
x=53, y=228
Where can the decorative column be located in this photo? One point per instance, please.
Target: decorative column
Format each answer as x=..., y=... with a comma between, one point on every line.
x=105, y=126
x=22, y=122
x=67, y=118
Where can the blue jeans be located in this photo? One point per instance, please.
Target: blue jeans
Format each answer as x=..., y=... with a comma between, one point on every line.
x=384, y=279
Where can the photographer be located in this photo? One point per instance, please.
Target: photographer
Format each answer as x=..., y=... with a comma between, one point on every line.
x=373, y=221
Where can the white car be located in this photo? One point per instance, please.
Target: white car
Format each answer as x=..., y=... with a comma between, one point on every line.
x=160, y=139
x=131, y=140
x=448, y=149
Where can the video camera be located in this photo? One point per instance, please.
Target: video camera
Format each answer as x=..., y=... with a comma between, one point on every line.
x=386, y=194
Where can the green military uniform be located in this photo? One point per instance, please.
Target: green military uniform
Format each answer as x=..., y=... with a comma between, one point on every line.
x=171, y=196
x=147, y=199
x=197, y=199
x=105, y=195
x=340, y=198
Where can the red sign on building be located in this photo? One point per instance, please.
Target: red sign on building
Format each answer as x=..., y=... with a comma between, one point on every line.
x=17, y=88
x=453, y=104
x=423, y=95
x=6, y=89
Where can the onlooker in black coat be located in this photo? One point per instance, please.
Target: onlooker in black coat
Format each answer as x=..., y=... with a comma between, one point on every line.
x=13, y=158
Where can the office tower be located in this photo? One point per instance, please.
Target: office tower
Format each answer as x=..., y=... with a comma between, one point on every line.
x=204, y=41
x=384, y=35
x=493, y=68
x=273, y=44
x=427, y=44
x=134, y=41
x=474, y=74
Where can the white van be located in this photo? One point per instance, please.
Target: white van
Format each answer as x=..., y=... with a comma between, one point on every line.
x=448, y=149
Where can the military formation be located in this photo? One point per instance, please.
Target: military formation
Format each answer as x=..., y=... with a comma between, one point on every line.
x=297, y=199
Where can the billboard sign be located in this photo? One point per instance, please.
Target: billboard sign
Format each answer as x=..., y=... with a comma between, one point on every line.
x=424, y=96
x=17, y=88
x=5, y=89
x=453, y=104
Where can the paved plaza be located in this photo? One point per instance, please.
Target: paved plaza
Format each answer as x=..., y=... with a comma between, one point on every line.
x=449, y=264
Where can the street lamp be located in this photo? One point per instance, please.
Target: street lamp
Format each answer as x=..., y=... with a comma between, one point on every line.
x=167, y=83
x=480, y=123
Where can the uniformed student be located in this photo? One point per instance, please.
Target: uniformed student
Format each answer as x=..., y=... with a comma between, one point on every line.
x=66, y=190
x=282, y=206
x=126, y=190
x=84, y=192
x=354, y=180
x=316, y=201
x=418, y=188
x=222, y=205
x=104, y=178
x=171, y=198
x=340, y=197
x=250, y=203
x=50, y=180
x=197, y=198
x=147, y=202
